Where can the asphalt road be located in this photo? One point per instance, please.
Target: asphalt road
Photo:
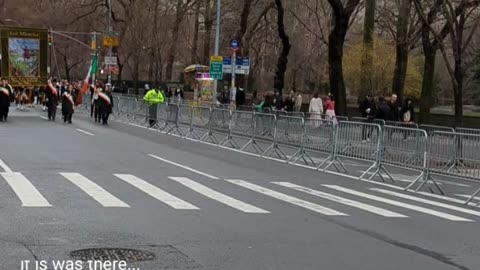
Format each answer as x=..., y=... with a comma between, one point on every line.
x=196, y=206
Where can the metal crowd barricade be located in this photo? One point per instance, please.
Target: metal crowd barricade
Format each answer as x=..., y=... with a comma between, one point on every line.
x=289, y=131
x=173, y=117
x=403, y=148
x=379, y=122
x=263, y=130
x=350, y=144
x=246, y=108
x=430, y=129
x=200, y=122
x=471, y=131
x=293, y=114
x=319, y=138
x=455, y=155
x=401, y=124
x=219, y=122
x=242, y=124
x=140, y=113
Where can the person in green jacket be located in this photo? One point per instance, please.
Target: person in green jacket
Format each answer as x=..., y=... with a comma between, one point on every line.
x=153, y=98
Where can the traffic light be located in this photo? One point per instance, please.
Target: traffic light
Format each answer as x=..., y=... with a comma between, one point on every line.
x=50, y=39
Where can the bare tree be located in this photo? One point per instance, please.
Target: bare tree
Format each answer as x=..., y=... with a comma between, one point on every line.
x=279, y=80
x=336, y=40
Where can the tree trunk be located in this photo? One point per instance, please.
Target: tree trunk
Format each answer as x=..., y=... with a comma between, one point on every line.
x=426, y=100
x=335, y=60
x=367, y=58
x=173, y=47
x=279, y=79
x=402, y=48
x=208, y=33
x=194, y=58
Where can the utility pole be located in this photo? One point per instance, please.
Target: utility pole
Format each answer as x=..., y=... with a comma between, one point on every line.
x=217, y=45
x=110, y=49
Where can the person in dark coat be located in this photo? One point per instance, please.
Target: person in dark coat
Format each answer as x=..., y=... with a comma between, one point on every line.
x=68, y=104
x=384, y=111
x=52, y=99
x=6, y=96
x=394, y=108
x=277, y=101
x=290, y=102
x=368, y=109
x=105, y=104
x=408, y=112
x=240, y=97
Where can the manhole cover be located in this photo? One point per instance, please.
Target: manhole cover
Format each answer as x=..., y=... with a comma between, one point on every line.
x=112, y=254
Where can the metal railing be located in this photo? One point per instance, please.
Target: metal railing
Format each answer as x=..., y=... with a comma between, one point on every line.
x=430, y=150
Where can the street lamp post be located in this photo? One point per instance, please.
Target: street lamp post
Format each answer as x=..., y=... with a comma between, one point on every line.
x=217, y=45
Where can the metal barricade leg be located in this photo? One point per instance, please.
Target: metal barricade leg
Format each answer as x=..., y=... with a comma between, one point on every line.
x=473, y=197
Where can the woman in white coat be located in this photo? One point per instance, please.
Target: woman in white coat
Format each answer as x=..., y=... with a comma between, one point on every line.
x=316, y=110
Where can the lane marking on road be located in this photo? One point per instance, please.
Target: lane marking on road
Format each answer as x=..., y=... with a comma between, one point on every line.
x=184, y=167
x=5, y=167
x=341, y=200
x=43, y=117
x=399, y=204
x=439, y=204
x=217, y=196
x=93, y=190
x=287, y=198
x=26, y=192
x=442, y=197
x=85, y=132
x=156, y=192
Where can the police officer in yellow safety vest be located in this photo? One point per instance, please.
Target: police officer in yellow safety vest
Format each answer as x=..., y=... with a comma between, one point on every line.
x=153, y=98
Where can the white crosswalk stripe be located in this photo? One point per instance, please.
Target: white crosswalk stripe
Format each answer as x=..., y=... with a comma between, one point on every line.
x=26, y=192
x=466, y=196
x=287, y=198
x=93, y=190
x=156, y=192
x=399, y=204
x=439, y=204
x=341, y=200
x=214, y=195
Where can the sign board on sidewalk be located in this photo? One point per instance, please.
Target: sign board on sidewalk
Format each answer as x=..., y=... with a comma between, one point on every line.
x=242, y=65
x=234, y=44
x=111, y=60
x=216, y=67
x=111, y=39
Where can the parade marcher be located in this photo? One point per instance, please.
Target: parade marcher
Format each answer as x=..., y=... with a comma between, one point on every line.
x=68, y=104
x=105, y=104
x=153, y=98
x=6, y=96
x=96, y=101
x=52, y=99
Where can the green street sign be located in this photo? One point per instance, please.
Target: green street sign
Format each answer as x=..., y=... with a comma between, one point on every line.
x=216, y=67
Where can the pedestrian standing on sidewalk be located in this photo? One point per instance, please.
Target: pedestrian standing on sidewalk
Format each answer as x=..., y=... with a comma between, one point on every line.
x=298, y=102
x=330, y=109
x=316, y=110
x=68, y=104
